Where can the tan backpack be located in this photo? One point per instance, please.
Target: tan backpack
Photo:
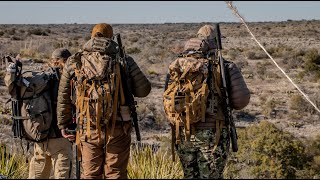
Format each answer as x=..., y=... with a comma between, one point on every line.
x=185, y=98
x=98, y=89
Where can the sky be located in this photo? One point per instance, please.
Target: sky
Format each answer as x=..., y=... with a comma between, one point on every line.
x=141, y=12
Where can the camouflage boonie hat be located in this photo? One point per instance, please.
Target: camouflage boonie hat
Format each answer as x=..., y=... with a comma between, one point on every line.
x=206, y=32
x=61, y=53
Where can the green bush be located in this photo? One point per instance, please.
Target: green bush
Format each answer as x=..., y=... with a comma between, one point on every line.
x=266, y=152
x=312, y=62
x=311, y=168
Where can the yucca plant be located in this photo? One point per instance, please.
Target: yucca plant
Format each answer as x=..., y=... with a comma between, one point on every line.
x=145, y=163
x=12, y=166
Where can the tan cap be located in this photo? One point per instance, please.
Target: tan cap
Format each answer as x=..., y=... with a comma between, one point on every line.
x=61, y=53
x=206, y=32
x=102, y=29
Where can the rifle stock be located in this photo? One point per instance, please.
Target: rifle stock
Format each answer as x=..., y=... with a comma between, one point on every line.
x=226, y=102
x=127, y=88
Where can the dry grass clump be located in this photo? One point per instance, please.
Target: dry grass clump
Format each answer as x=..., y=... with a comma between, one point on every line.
x=145, y=163
x=13, y=166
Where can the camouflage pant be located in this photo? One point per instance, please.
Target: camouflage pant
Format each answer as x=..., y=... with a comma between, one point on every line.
x=197, y=158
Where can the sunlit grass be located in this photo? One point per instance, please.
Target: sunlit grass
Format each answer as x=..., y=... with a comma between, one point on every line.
x=13, y=166
x=145, y=163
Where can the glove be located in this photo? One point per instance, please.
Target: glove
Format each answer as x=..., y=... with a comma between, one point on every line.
x=11, y=68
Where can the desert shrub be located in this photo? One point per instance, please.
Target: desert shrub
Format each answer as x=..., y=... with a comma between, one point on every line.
x=13, y=166
x=145, y=163
x=232, y=54
x=134, y=39
x=1, y=33
x=292, y=62
x=242, y=64
x=16, y=38
x=38, y=32
x=261, y=70
x=266, y=152
x=312, y=62
x=279, y=50
x=22, y=31
x=297, y=103
x=133, y=50
x=301, y=106
x=268, y=106
x=11, y=31
x=312, y=167
x=255, y=54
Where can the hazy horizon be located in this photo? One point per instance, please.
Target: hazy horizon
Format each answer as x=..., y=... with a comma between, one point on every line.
x=153, y=12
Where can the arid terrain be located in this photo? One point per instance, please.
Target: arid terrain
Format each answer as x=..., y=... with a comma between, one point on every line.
x=154, y=46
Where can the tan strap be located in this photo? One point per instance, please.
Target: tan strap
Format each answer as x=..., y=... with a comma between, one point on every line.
x=172, y=96
x=169, y=89
x=217, y=80
x=177, y=129
x=98, y=117
x=187, y=123
x=115, y=102
x=87, y=109
x=191, y=89
x=204, y=92
x=80, y=103
x=79, y=155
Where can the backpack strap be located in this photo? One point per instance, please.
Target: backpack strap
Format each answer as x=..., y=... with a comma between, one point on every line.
x=187, y=123
x=115, y=102
x=204, y=93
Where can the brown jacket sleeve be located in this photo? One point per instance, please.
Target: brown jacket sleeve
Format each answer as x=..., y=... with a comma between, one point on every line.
x=140, y=85
x=64, y=106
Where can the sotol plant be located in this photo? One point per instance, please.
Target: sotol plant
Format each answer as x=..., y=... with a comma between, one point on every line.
x=13, y=166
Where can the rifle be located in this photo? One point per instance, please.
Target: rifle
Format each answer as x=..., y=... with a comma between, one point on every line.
x=16, y=102
x=127, y=88
x=226, y=102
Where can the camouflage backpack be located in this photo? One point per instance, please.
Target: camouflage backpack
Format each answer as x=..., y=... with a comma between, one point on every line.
x=185, y=96
x=32, y=111
x=97, y=87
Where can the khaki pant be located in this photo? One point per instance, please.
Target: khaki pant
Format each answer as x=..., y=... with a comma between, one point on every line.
x=117, y=154
x=56, y=154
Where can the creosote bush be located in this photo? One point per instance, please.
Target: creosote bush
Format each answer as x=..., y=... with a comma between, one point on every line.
x=266, y=152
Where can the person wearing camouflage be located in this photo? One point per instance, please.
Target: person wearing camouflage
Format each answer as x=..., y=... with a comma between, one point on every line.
x=101, y=156
x=205, y=155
